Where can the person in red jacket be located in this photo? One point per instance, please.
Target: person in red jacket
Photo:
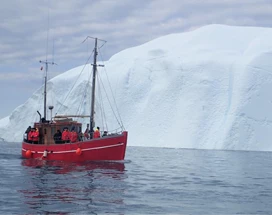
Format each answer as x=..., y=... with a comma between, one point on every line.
x=73, y=136
x=96, y=133
x=65, y=137
x=30, y=135
x=36, y=136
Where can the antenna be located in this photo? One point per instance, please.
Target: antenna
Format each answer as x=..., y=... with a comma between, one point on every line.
x=47, y=37
x=53, y=51
x=46, y=65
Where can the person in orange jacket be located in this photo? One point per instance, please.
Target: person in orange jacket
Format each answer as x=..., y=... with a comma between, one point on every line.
x=65, y=136
x=96, y=133
x=36, y=136
x=30, y=135
x=73, y=136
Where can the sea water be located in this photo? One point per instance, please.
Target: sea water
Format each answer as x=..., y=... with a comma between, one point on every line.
x=149, y=181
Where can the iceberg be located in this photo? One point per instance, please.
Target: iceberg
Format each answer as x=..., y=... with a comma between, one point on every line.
x=204, y=89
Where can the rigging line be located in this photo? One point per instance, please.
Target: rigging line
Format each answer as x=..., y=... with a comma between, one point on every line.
x=80, y=104
x=112, y=93
x=120, y=123
x=116, y=130
x=103, y=110
x=42, y=85
x=47, y=38
x=87, y=85
x=102, y=44
x=100, y=102
x=52, y=97
x=75, y=82
x=53, y=51
x=103, y=115
x=84, y=95
x=82, y=99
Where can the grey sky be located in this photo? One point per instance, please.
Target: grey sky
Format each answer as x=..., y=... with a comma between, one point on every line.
x=122, y=23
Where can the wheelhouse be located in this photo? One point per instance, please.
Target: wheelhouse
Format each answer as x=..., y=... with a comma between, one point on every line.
x=48, y=129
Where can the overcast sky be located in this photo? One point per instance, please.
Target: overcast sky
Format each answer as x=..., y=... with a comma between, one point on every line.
x=122, y=23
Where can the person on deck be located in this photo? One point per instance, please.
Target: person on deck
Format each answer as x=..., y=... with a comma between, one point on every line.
x=36, y=136
x=26, y=133
x=96, y=133
x=105, y=133
x=30, y=135
x=57, y=137
x=80, y=135
x=73, y=136
x=65, y=136
x=86, y=133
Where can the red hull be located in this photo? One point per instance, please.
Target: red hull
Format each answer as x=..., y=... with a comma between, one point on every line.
x=105, y=148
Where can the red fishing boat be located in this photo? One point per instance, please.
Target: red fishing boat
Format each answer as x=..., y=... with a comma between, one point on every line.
x=109, y=146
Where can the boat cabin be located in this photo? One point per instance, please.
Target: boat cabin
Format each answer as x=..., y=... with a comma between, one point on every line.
x=47, y=129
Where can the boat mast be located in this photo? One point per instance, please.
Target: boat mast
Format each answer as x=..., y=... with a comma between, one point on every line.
x=93, y=88
x=45, y=85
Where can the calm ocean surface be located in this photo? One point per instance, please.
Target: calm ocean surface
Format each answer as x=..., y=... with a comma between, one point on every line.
x=150, y=181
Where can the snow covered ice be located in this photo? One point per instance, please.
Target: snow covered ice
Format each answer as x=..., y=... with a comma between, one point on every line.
x=209, y=88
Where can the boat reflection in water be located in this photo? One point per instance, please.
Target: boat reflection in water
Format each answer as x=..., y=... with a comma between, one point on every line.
x=63, y=187
x=67, y=167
